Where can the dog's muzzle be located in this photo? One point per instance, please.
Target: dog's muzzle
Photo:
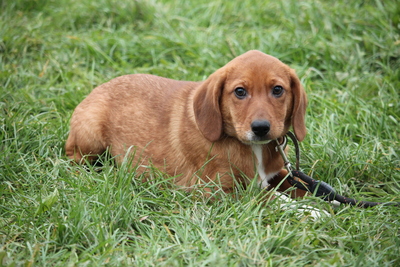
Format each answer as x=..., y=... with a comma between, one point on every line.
x=258, y=135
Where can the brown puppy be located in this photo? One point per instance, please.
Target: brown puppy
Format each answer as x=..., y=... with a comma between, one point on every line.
x=217, y=130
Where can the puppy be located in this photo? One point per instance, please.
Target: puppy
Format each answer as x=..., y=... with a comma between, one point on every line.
x=221, y=130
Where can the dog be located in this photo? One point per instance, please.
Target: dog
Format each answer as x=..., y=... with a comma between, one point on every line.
x=221, y=130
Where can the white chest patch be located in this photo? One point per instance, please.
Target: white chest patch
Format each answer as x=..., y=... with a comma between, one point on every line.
x=263, y=176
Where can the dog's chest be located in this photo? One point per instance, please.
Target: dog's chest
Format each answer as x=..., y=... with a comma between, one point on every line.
x=264, y=177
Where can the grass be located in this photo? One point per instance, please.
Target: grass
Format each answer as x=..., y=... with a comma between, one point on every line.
x=53, y=53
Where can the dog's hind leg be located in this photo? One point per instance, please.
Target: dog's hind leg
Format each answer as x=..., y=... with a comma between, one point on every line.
x=86, y=140
x=80, y=149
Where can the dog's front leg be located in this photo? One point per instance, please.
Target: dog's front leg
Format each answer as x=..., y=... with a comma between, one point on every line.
x=282, y=185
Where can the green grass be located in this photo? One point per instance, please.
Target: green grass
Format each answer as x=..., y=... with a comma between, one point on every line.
x=53, y=53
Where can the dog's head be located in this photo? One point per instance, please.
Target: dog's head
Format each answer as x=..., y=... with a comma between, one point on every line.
x=254, y=98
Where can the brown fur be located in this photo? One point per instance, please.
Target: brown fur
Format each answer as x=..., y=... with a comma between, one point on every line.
x=180, y=125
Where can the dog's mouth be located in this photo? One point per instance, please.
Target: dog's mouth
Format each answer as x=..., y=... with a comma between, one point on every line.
x=252, y=139
x=260, y=142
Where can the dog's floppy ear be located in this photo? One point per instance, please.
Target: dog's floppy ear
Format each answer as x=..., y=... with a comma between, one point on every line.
x=207, y=107
x=299, y=107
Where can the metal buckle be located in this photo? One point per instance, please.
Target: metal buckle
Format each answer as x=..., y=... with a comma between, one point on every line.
x=280, y=148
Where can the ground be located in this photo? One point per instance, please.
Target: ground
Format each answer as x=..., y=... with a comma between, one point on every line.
x=53, y=53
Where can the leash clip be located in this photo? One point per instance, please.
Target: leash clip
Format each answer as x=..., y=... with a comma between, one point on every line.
x=280, y=148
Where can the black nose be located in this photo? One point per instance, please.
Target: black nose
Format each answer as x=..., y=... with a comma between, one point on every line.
x=260, y=128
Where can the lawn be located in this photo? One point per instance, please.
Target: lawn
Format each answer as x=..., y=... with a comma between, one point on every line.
x=53, y=53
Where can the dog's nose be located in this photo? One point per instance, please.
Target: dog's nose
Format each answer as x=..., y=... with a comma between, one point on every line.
x=260, y=128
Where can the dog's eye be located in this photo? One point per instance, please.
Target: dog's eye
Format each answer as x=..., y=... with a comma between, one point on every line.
x=277, y=91
x=240, y=92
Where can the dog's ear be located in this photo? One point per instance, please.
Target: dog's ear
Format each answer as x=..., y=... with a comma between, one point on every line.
x=299, y=107
x=207, y=107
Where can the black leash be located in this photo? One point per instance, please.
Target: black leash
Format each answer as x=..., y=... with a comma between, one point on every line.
x=318, y=188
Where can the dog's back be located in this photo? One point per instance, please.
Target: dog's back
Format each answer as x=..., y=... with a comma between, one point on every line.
x=130, y=109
